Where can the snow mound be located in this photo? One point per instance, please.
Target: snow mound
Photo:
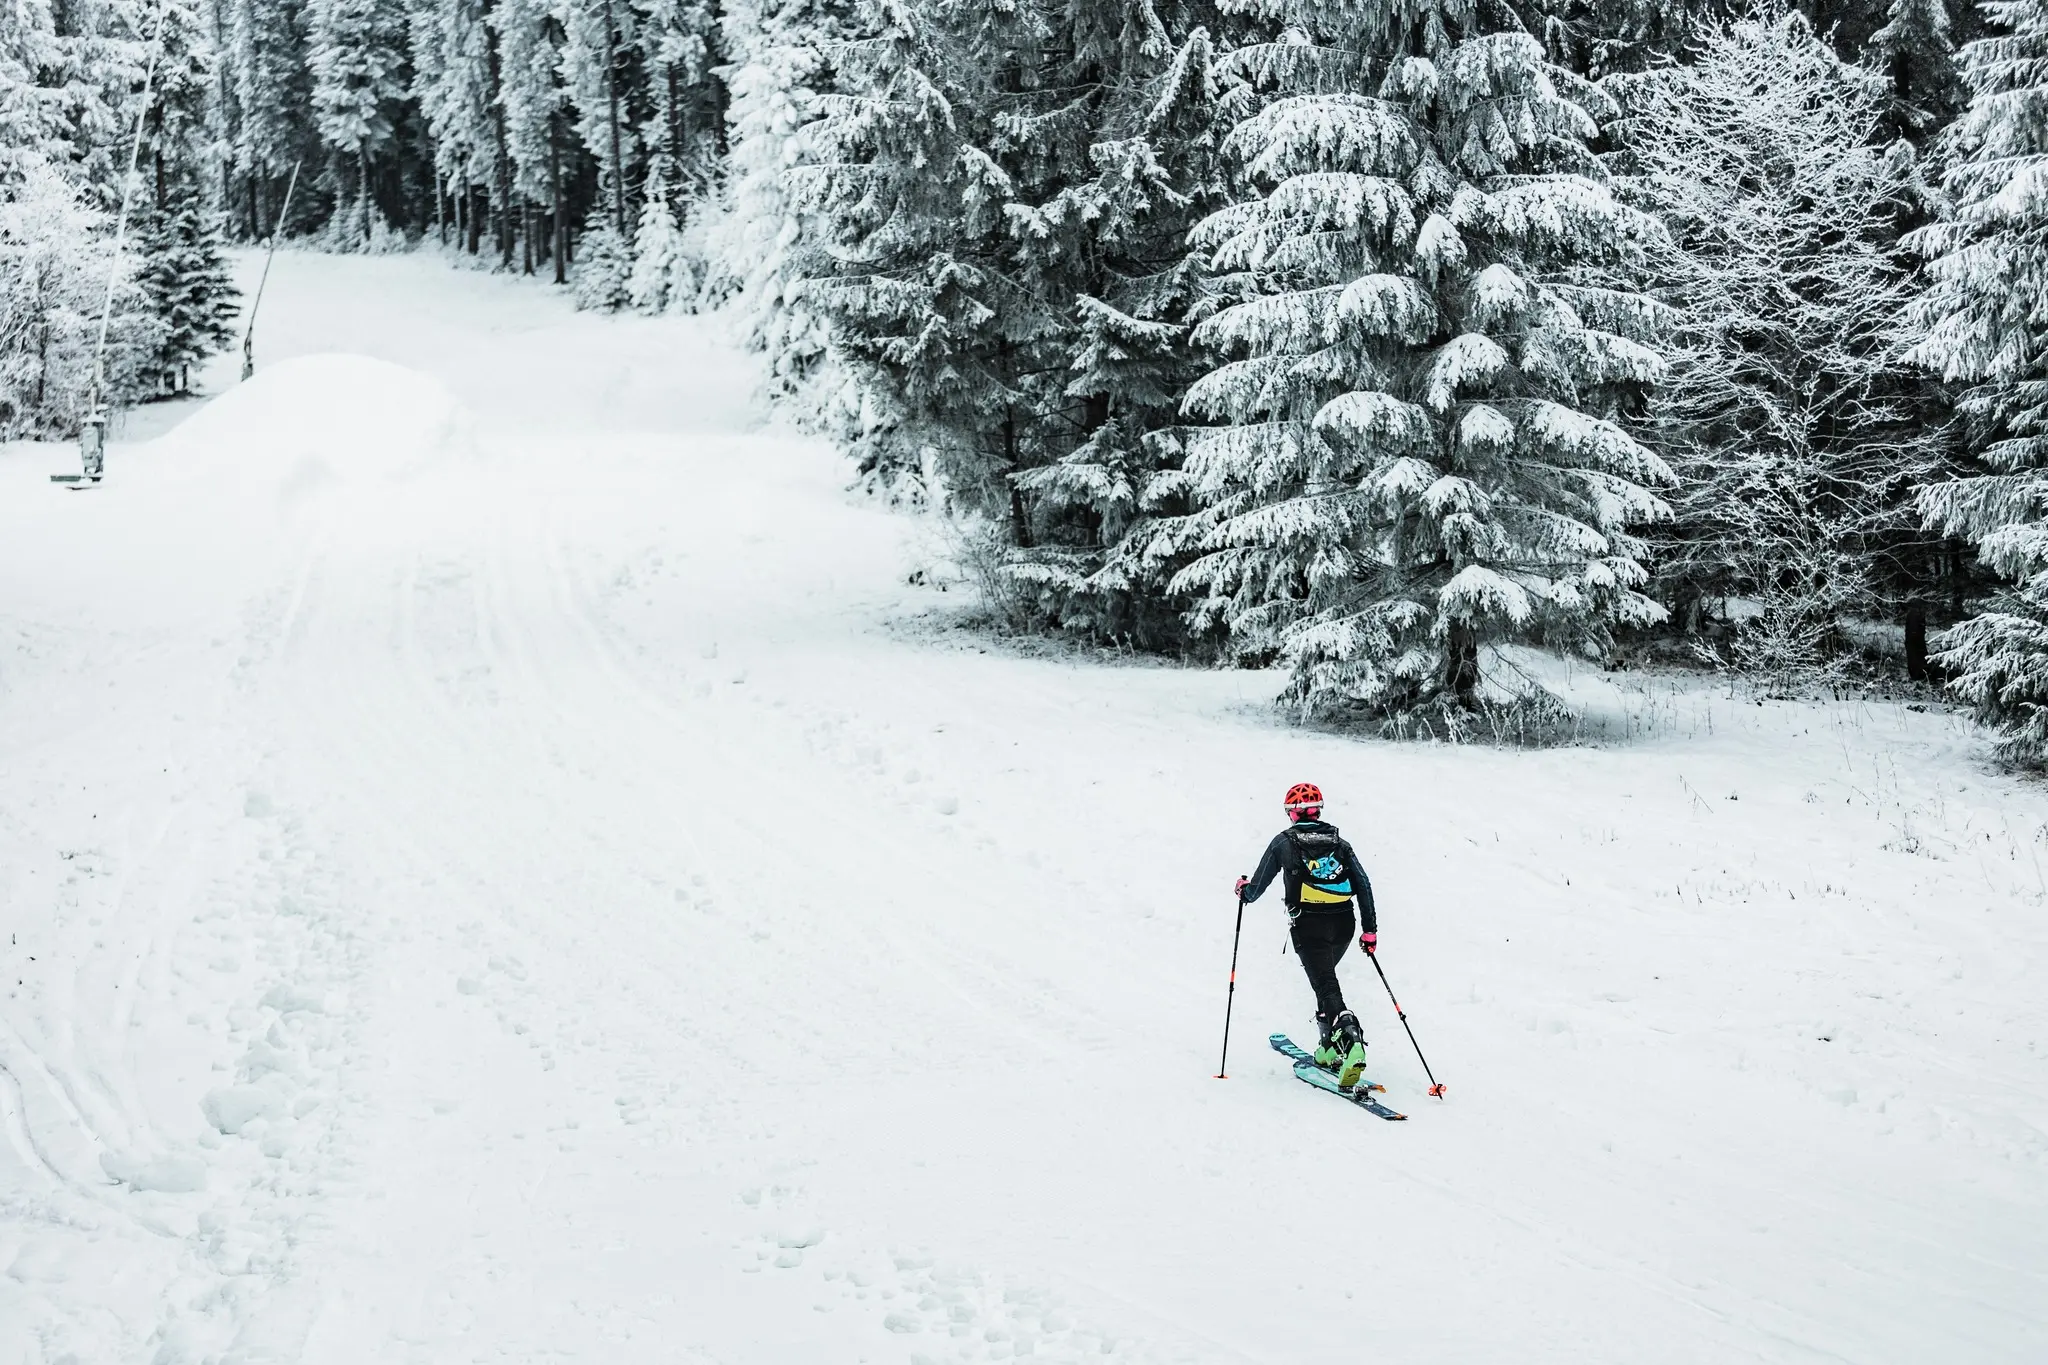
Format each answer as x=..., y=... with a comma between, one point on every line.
x=322, y=419
x=164, y=1174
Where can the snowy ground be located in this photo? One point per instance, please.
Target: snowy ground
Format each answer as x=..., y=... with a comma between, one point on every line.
x=497, y=864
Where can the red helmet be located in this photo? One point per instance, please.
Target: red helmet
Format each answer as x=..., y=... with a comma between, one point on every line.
x=1304, y=801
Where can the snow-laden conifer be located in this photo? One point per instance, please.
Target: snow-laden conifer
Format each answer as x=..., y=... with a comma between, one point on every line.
x=603, y=278
x=1158, y=171
x=1980, y=327
x=272, y=125
x=778, y=69
x=1424, y=445
x=182, y=271
x=1916, y=58
x=660, y=278
x=597, y=39
x=451, y=83
x=357, y=55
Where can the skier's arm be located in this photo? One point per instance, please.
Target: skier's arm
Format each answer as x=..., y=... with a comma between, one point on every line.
x=1361, y=886
x=1269, y=868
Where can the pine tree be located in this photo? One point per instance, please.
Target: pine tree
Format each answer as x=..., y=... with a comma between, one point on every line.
x=1159, y=171
x=603, y=280
x=1978, y=327
x=599, y=69
x=182, y=270
x=31, y=112
x=452, y=83
x=1914, y=53
x=780, y=71
x=660, y=275
x=530, y=38
x=683, y=126
x=357, y=52
x=1426, y=452
x=274, y=125
x=915, y=164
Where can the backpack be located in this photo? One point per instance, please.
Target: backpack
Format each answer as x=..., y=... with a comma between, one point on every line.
x=1317, y=875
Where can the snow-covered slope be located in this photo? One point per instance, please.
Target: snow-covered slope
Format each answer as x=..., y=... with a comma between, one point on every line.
x=499, y=863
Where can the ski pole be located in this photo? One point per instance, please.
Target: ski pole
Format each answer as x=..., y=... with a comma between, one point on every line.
x=1435, y=1087
x=1230, y=1001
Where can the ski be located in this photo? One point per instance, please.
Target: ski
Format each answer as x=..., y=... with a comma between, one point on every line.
x=1306, y=1069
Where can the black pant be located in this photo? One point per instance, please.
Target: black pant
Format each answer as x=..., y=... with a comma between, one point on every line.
x=1320, y=940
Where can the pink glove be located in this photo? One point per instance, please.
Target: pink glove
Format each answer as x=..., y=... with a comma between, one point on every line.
x=1369, y=942
x=1242, y=883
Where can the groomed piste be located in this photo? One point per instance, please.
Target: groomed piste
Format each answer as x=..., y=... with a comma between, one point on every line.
x=503, y=857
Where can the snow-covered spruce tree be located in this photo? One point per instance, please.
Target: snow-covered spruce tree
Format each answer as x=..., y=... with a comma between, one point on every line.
x=779, y=66
x=603, y=279
x=530, y=38
x=1917, y=60
x=181, y=270
x=1980, y=326
x=357, y=52
x=1785, y=415
x=1598, y=38
x=1159, y=171
x=1000, y=198
x=177, y=236
x=682, y=125
x=911, y=180
x=274, y=127
x=599, y=67
x=31, y=112
x=1425, y=454
x=660, y=278
x=684, y=133
x=451, y=82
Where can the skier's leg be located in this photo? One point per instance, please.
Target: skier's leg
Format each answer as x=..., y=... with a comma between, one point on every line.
x=1348, y=1039
x=1318, y=954
x=1319, y=950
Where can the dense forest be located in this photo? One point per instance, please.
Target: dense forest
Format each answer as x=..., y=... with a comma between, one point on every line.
x=1371, y=338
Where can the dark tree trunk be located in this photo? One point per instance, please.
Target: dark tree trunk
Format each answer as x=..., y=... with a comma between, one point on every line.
x=476, y=220
x=611, y=87
x=561, y=220
x=1461, y=666
x=363, y=186
x=1916, y=641
x=503, y=155
x=1020, y=517
x=526, y=216
x=255, y=211
x=675, y=123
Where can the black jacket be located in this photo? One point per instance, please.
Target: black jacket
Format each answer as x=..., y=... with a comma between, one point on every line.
x=1280, y=857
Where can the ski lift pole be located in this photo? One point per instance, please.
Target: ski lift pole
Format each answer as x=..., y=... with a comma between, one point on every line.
x=92, y=433
x=249, y=332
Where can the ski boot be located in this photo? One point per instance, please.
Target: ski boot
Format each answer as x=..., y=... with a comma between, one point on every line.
x=1346, y=1042
x=1327, y=1054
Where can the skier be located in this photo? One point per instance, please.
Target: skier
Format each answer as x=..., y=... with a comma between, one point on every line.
x=1322, y=876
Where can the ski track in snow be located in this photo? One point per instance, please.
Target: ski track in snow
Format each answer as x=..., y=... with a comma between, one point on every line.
x=499, y=864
